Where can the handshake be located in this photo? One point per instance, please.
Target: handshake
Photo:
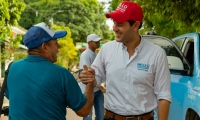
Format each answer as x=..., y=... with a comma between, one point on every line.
x=87, y=75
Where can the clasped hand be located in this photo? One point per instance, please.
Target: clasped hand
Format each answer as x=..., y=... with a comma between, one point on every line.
x=87, y=75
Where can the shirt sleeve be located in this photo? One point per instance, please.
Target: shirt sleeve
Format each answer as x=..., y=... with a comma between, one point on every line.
x=84, y=60
x=75, y=98
x=99, y=66
x=162, y=78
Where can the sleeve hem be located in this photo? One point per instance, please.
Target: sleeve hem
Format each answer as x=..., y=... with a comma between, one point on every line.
x=81, y=106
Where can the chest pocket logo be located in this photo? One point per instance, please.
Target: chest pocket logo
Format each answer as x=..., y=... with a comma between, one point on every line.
x=143, y=67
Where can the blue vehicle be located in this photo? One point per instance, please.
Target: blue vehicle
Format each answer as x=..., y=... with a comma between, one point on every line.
x=183, y=59
x=186, y=91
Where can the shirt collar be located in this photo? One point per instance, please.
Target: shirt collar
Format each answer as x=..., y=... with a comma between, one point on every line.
x=123, y=46
x=88, y=49
x=139, y=47
x=35, y=58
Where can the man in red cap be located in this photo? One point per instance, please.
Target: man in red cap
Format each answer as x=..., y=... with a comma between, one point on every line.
x=136, y=71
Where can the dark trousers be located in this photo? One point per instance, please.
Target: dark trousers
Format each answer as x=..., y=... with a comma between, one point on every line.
x=107, y=118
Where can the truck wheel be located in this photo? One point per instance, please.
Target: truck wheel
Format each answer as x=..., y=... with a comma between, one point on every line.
x=192, y=115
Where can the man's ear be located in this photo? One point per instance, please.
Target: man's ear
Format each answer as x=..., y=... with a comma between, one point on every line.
x=136, y=25
x=89, y=43
x=44, y=47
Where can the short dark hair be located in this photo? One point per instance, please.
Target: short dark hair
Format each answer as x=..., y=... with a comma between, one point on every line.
x=131, y=22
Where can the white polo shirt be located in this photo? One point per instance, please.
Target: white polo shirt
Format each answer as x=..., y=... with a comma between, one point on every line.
x=133, y=85
x=87, y=58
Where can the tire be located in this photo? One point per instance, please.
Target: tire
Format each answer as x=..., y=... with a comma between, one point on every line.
x=192, y=115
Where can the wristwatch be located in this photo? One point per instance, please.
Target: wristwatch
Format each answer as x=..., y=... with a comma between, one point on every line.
x=79, y=71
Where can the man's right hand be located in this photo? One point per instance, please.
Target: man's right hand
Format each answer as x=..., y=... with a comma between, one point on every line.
x=87, y=75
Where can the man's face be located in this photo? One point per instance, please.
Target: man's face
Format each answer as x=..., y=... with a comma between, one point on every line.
x=94, y=45
x=52, y=48
x=123, y=31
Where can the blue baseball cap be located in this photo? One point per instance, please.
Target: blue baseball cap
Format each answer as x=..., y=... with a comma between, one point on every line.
x=41, y=33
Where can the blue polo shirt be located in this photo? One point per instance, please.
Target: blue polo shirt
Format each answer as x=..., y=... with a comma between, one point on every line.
x=40, y=90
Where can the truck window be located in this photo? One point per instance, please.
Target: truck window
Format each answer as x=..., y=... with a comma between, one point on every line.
x=167, y=46
x=179, y=43
x=172, y=52
x=189, y=53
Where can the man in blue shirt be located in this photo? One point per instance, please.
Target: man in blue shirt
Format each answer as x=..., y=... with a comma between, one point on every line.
x=37, y=89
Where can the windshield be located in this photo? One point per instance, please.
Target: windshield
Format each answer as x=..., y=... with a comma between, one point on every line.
x=164, y=43
x=172, y=52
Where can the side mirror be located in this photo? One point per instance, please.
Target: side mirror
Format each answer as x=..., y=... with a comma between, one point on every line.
x=175, y=63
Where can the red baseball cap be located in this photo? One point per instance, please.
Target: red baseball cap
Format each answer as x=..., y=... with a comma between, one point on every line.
x=126, y=11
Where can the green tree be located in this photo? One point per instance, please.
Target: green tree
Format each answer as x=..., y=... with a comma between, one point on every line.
x=169, y=18
x=10, y=11
x=83, y=17
x=114, y=4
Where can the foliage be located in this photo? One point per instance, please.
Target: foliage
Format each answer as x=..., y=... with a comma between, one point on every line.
x=10, y=11
x=83, y=17
x=67, y=56
x=170, y=18
x=114, y=4
x=17, y=51
x=19, y=55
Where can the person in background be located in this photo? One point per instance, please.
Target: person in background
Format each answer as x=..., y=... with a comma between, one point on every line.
x=87, y=58
x=136, y=71
x=37, y=88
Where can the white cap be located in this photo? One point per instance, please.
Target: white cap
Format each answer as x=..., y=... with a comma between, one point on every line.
x=93, y=37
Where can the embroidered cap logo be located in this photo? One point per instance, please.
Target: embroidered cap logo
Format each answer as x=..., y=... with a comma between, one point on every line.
x=122, y=7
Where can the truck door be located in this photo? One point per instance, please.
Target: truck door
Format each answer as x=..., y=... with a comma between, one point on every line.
x=179, y=71
x=189, y=46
